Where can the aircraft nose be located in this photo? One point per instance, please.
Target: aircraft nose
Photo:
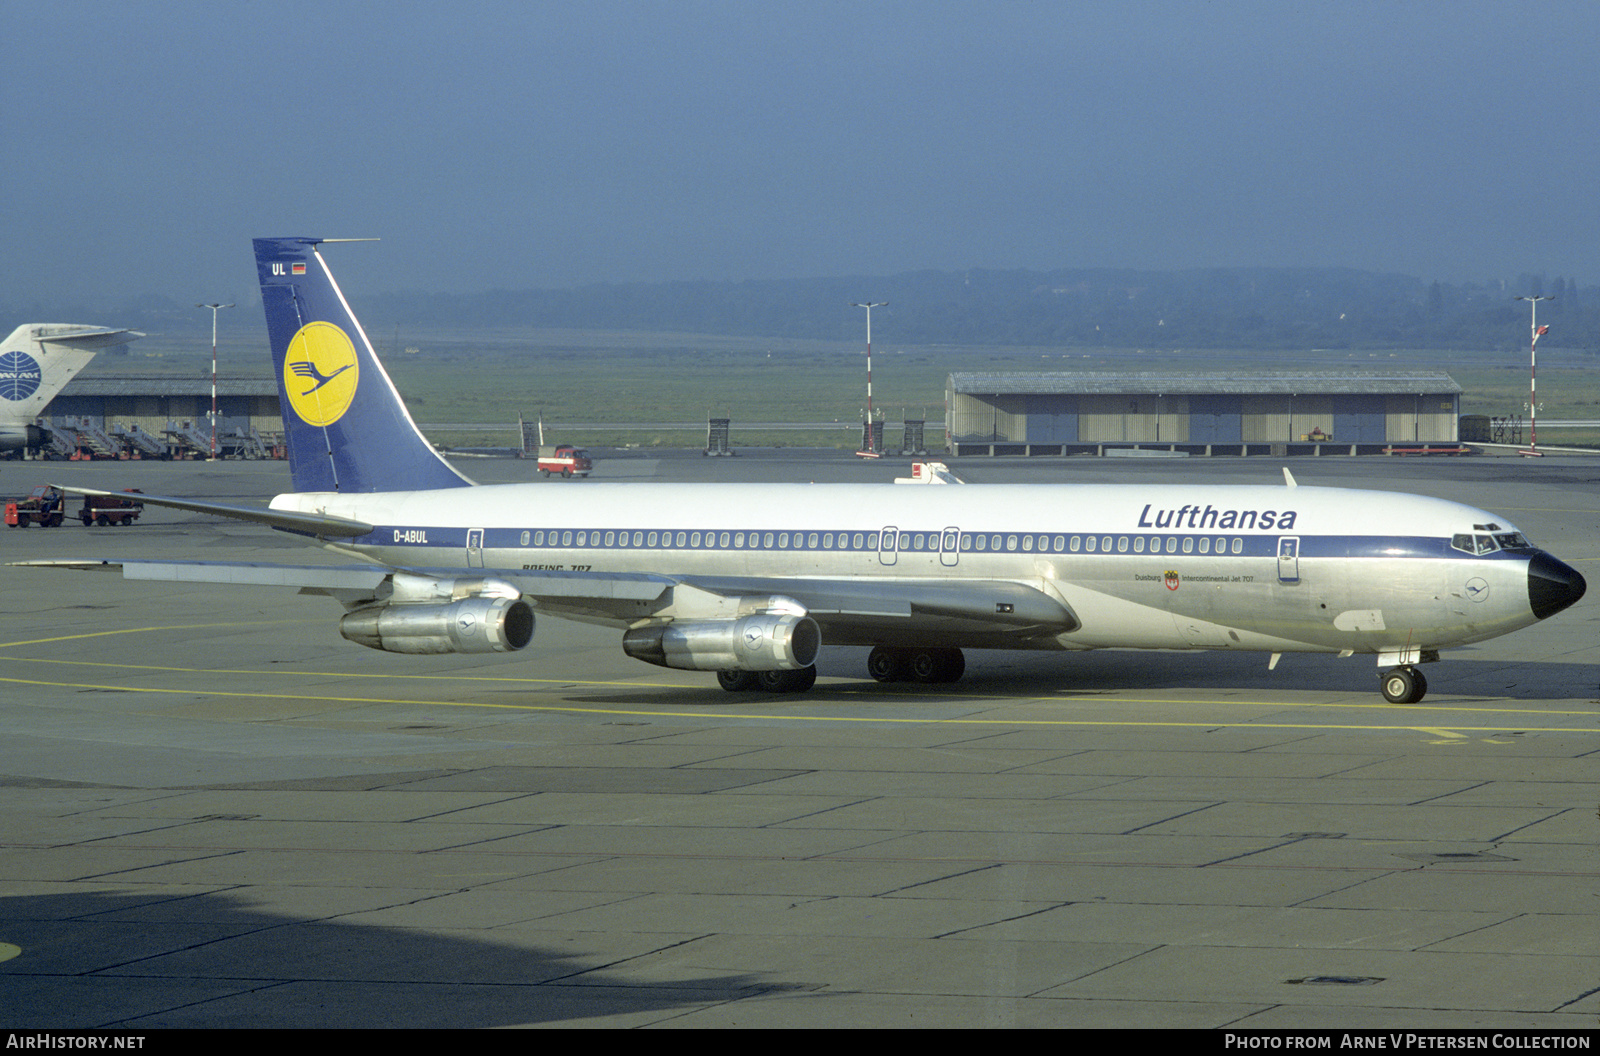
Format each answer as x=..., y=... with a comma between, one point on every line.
x=1552, y=585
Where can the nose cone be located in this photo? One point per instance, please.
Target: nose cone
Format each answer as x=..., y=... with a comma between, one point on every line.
x=1552, y=586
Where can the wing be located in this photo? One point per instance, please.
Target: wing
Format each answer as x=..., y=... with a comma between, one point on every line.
x=974, y=613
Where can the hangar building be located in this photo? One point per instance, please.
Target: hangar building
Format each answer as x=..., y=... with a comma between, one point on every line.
x=1200, y=413
x=167, y=408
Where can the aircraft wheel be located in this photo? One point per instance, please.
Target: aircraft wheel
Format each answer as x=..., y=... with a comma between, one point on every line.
x=887, y=664
x=1404, y=685
x=788, y=681
x=736, y=681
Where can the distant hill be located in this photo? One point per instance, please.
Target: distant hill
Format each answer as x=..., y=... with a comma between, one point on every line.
x=1252, y=308
x=1230, y=308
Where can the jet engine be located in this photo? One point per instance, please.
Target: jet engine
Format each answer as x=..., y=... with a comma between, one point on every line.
x=481, y=616
x=767, y=641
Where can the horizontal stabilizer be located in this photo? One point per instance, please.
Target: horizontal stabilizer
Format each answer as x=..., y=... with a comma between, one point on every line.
x=316, y=524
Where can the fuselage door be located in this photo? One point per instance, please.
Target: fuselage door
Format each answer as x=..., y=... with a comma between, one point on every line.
x=888, y=545
x=474, y=547
x=950, y=547
x=1289, y=559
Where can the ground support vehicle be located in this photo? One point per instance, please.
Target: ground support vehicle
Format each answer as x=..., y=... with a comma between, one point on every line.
x=44, y=506
x=107, y=510
x=565, y=459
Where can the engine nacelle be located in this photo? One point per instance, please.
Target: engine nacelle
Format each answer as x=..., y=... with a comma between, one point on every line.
x=477, y=624
x=762, y=642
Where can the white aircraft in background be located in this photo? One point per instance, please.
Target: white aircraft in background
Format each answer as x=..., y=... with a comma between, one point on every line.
x=36, y=362
x=749, y=580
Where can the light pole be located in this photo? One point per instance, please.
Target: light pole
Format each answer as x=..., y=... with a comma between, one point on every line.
x=870, y=448
x=214, y=308
x=1533, y=372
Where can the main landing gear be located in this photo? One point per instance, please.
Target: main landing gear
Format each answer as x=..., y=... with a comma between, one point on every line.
x=899, y=664
x=886, y=663
x=771, y=681
x=1403, y=685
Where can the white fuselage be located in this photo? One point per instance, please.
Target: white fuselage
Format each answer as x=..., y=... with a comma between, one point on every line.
x=1140, y=566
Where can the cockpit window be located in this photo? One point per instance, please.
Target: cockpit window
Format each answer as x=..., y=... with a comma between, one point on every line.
x=1480, y=544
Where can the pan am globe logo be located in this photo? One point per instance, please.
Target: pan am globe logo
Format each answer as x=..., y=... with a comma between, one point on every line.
x=19, y=375
x=320, y=373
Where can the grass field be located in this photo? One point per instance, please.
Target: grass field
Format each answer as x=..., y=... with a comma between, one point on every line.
x=491, y=376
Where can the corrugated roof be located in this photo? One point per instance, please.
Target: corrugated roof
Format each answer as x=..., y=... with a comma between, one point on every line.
x=1255, y=383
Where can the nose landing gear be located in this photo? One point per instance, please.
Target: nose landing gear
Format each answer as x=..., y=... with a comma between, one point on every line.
x=1403, y=685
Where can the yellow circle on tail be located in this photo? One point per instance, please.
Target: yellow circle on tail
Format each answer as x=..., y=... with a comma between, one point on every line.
x=320, y=373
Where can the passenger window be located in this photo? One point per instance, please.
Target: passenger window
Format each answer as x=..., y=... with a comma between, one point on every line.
x=525, y=538
x=1105, y=544
x=1238, y=546
x=1061, y=543
x=566, y=538
x=611, y=537
x=1027, y=542
x=766, y=540
x=1138, y=544
x=1205, y=545
x=811, y=541
x=1074, y=544
x=1188, y=544
x=1088, y=544
x=1122, y=544
x=783, y=540
x=638, y=538
x=1011, y=542
x=1172, y=544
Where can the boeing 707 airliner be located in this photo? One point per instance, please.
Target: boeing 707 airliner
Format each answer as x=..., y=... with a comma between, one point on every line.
x=751, y=580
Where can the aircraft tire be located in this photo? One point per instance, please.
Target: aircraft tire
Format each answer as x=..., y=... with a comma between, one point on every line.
x=788, y=681
x=1404, y=685
x=936, y=665
x=887, y=664
x=736, y=681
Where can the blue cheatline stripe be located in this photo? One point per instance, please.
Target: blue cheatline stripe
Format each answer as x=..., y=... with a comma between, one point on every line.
x=865, y=542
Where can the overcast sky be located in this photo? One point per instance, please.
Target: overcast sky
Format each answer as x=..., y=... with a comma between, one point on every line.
x=520, y=144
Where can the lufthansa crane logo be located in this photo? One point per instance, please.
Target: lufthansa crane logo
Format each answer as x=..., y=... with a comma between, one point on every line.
x=320, y=373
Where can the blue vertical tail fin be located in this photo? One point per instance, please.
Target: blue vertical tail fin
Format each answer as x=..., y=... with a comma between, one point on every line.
x=344, y=423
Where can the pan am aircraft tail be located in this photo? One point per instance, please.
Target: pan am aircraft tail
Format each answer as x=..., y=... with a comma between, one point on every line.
x=750, y=580
x=36, y=362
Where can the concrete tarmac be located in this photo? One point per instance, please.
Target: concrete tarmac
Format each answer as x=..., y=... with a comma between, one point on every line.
x=218, y=813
